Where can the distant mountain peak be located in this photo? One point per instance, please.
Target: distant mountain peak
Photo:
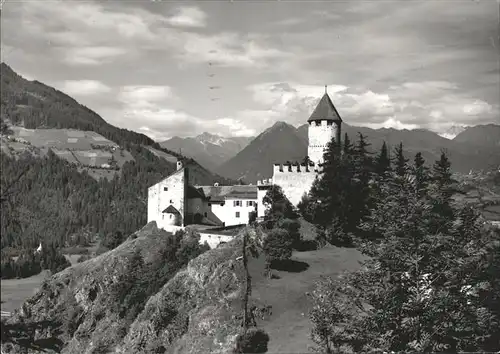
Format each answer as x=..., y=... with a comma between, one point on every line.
x=453, y=131
x=207, y=138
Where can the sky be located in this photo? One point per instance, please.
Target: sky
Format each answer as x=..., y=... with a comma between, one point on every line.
x=234, y=68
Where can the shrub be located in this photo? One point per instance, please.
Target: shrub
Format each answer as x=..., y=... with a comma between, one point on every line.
x=336, y=235
x=252, y=341
x=277, y=246
x=252, y=217
x=293, y=229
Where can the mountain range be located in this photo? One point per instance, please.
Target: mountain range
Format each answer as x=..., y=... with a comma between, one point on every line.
x=35, y=105
x=476, y=148
x=209, y=150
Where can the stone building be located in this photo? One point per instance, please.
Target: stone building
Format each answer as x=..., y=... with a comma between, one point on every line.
x=177, y=201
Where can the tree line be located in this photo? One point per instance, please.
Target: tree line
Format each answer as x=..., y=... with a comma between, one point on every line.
x=432, y=280
x=30, y=262
x=55, y=203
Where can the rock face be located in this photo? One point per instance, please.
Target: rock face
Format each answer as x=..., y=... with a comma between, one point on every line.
x=195, y=311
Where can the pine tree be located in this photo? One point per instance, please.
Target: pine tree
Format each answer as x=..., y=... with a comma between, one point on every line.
x=382, y=161
x=360, y=196
x=326, y=187
x=399, y=161
x=441, y=190
x=421, y=172
x=427, y=291
x=347, y=146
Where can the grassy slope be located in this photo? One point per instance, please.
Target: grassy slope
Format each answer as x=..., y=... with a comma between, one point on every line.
x=289, y=326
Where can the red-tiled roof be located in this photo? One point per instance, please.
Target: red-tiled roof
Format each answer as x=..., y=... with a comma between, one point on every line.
x=325, y=110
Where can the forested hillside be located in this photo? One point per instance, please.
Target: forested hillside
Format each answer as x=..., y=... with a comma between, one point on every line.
x=49, y=199
x=54, y=202
x=35, y=105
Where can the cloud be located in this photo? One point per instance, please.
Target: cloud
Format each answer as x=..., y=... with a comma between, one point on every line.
x=85, y=34
x=398, y=63
x=226, y=49
x=91, y=55
x=84, y=87
x=144, y=96
x=234, y=127
x=399, y=106
x=151, y=110
x=188, y=17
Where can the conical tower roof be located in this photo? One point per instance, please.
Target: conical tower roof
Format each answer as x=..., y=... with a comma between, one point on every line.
x=325, y=110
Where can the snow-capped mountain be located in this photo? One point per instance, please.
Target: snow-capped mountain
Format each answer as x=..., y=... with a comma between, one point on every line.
x=210, y=150
x=453, y=131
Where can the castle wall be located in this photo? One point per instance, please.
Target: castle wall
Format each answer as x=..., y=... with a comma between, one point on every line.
x=319, y=137
x=294, y=180
x=170, y=191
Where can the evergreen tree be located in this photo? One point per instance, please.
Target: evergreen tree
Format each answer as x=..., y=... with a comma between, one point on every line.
x=442, y=191
x=347, y=146
x=382, y=161
x=428, y=290
x=399, y=161
x=326, y=188
x=361, y=194
x=421, y=172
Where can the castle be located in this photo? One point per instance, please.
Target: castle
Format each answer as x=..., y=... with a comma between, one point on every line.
x=178, y=201
x=297, y=179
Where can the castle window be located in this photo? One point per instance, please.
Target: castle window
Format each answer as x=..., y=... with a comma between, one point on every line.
x=170, y=216
x=171, y=201
x=237, y=214
x=249, y=203
x=237, y=203
x=165, y=189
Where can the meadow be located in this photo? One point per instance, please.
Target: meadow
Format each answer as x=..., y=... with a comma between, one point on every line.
x=289, y=326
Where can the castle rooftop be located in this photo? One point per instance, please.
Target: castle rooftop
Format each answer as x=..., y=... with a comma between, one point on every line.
x=325, y=110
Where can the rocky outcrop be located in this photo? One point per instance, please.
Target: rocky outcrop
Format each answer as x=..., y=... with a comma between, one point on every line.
x=195, y=311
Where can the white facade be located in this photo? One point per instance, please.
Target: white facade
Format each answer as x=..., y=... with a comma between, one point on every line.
x=234, y=211
x=168, y=192
x=320, y=133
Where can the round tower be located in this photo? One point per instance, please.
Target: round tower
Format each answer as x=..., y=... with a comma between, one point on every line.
x=324, y=123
